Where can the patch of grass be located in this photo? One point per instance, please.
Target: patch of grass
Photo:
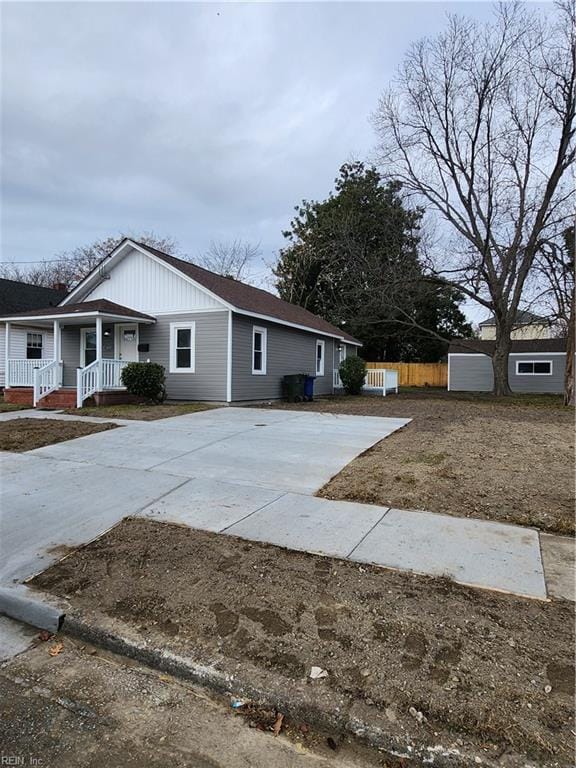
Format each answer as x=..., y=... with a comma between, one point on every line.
x=406, y=479
x=517, y=399
x=145, y=412
x=26, y=434
x=7, y=407
x=430, y=459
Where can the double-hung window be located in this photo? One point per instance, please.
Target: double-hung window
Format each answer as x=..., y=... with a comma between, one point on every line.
x=534, y=367
x=33, y=346
x=182, y=347
x=259, y=345
x=320, y=348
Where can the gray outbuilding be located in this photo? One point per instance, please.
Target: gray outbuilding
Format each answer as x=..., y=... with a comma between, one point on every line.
x=534, y=365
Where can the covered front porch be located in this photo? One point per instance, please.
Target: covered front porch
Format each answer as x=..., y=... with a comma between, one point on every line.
x=92, y=343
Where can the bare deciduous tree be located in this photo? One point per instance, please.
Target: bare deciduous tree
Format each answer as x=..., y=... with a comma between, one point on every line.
x=555, y=274
x=72, y=266
x=479, y=126
x=231, y=259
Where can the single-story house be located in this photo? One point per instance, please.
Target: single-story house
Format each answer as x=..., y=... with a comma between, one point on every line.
x=527, y=325
x=534, y=365
x=218, y=339
x=15, y=297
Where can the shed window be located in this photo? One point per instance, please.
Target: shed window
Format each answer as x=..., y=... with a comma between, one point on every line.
x=33, y=346
x=320, y=358
x=182, y=347
x=534, y=367
x=259, y=344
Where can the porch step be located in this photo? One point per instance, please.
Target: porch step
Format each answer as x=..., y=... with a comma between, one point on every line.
x=60, y=398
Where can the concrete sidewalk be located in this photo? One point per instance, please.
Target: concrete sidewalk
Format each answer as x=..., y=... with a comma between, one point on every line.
x=474, y=552
x=249, y=473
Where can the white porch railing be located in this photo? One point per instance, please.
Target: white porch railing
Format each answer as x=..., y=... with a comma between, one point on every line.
x=20, y=373
x=376, y=378
x=87, y=382
x=112, y=372
x=98, y=376
x=46, y=379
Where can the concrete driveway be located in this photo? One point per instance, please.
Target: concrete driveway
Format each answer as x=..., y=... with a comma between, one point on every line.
x=246, y=472
x=214, y=467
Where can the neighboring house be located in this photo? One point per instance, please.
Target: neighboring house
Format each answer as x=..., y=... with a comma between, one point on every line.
x=526, y=326
x=28, y=343
x=535, y=365
x=217, y=338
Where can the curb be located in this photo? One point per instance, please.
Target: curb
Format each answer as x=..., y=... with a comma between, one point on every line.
x=40, y=611
x=356, y=719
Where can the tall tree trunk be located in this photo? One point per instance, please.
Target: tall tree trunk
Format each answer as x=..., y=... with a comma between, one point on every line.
x=569, y=395
x=500, y=363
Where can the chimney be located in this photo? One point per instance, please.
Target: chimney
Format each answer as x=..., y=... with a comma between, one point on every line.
x=62, y=287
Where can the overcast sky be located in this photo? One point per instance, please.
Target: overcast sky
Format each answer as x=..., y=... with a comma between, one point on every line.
x=199, y=121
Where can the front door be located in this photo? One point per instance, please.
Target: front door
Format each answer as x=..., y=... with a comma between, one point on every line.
x=127, y=346
x=87, y=346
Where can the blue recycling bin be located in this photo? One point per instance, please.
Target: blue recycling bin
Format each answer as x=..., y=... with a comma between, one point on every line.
x=309, y=388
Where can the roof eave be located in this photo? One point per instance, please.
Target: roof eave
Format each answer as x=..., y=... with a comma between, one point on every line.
x=136, y=318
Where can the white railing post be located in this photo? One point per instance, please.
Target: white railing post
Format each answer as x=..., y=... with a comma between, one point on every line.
x=36, y=380
x=79, y=388
x=7, y=358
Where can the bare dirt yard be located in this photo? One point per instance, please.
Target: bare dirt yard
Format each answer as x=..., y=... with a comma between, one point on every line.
x=145, y=412
x=26, y=434
x=433, y=663
x=469, y=456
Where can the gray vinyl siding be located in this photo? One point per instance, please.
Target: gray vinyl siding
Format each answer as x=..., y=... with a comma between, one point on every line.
x=208, y=382
x=289, y=350
x=538, y=383
x=473, y=373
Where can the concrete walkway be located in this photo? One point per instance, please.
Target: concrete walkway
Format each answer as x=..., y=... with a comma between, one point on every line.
x=249, y=473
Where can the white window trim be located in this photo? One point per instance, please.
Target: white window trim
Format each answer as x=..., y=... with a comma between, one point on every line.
x=322, y=344
x=533, y=373
x=174, y=327
x=264, y=331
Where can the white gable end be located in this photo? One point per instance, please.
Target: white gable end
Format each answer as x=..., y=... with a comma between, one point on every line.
x=142, y=283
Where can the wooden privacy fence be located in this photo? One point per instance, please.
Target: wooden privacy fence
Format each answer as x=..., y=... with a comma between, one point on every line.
x=417, y=374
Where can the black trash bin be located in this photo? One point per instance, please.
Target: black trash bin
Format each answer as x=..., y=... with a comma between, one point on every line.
x=293, y=387
x=309, y=388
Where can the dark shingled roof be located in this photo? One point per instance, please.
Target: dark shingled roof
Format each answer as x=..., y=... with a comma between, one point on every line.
x=522, y=318
x=474, y=346
x=18, y=297
x=248, y=298
x=98, y=305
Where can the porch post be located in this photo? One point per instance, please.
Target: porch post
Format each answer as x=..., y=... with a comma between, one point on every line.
x=99, y=352
x=56, y=333
x=7, y=357
x=57, y=349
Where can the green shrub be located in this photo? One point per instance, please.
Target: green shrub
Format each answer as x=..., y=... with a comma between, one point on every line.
x=146, y=380
x=352, y=373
